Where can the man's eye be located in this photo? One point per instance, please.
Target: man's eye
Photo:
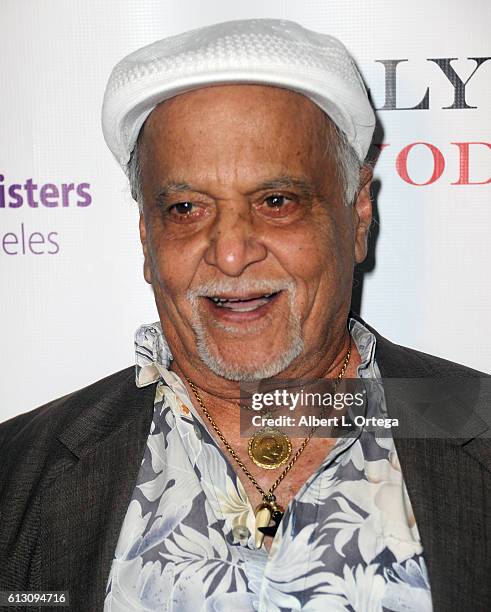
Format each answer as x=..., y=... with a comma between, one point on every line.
x=276, y=201
x=182, y=208
x=278, y=206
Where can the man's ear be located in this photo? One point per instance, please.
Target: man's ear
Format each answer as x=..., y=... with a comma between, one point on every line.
x=147, y=268
x=362, y=214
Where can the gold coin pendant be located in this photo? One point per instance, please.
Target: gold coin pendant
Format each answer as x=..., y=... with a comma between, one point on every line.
x=269, y=448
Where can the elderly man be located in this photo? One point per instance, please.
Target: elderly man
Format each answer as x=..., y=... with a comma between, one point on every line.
x=244, y=143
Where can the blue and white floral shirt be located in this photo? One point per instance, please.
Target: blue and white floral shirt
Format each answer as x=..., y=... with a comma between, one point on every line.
x=348, y=540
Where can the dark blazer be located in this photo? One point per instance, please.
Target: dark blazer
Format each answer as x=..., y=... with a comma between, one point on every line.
x=68, y=470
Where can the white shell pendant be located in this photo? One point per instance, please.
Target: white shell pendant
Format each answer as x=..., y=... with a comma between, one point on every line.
x=263, y=517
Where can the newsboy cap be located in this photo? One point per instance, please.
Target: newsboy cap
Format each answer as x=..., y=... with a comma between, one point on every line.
x=272, y=52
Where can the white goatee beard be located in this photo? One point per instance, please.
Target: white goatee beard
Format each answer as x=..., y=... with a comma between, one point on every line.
x=236, y=371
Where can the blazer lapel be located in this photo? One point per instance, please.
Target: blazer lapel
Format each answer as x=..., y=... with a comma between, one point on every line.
x=90, y=486
x=441, y=480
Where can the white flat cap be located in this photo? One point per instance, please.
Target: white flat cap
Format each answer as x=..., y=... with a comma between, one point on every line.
x=260, y=51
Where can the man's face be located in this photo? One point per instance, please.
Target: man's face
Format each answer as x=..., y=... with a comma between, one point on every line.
x=248, y=243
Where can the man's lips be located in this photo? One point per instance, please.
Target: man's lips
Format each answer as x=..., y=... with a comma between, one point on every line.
x=243, y=303
x=225, y=305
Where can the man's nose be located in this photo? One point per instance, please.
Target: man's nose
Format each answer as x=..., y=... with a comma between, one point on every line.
x=234, y=242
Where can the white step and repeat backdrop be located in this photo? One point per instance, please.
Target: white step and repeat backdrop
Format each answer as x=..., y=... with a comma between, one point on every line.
x=72, y=291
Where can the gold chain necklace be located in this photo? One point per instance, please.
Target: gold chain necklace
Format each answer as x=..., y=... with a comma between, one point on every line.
x=268, y=509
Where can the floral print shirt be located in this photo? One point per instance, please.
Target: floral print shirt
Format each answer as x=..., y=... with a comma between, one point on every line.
x=348, y=540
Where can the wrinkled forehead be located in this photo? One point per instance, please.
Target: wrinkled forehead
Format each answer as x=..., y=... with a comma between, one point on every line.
x=234, y=137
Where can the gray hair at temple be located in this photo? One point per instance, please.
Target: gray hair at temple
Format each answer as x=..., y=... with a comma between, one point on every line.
x=348, y=167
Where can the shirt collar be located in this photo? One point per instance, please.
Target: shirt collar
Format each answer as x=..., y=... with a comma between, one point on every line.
x=151, y=348
x=365, y=342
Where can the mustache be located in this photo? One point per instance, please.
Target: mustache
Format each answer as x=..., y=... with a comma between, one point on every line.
x=240, y=287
